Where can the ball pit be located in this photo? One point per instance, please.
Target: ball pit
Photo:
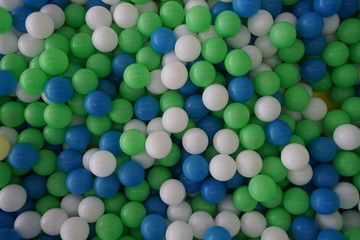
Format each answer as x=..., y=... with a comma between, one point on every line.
x=193, y=119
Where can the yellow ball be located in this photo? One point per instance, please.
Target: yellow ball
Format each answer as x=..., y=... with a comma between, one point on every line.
x=4, y=148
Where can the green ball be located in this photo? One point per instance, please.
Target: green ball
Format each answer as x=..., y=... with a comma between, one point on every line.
x=132, y=214
x=56, y=184
x=86, y=29
x=282, y=34
x=335, y=54
x=57, y=41
x=46, y=203
x=12, y=114
x=289, y=2
x=355, y=52
x=5, y=174
x=54, y=136
x=136, y=76
x=347, y=163
x=100, y=64
x=267, y=83
x=278, y=217
x=349, y=31
x=293, y=53
x=335, y=118
x=296, y=98
x=356, y=181
x=148, y=22
x=202, y=73
x=227, y=24
x=345, y=75
x=276, y=200
x=109, y=227
x=132, y=142
x=198, y=19
x=33, y=137
x=47, y=163
x=81, y=45
x=33, y=81
x=85, y=81
x=214, y=50
x=70, y=71
x=289, y=120
x=237, y=62
x=352, y=107
x=267, y=149
x=13, y=63
x=172, y=158
x=75, y=15
x=129, y=93
x=157, y=176
x=149, y=57
x=66, y=31
x=6, y=20
x=323, y=85
x=138, y=193
x=199, y=204
x=252, y=136
x=115, y=203
x=236, y=115
x=296, y=201
x=339, y=94
x=308, y=130
x=262, y=188
x=352, y=234
x=121, y=111
x=57, y=115
x=172, y=14
x=273, y=167
x=130, y=40
x=98, y=125
x=53, y=61
x=242, y=199
x=171, y=99
x=76, y=104
x=288, y=74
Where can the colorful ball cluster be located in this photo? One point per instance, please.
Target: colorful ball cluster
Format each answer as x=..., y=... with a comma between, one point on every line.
x=180, y=119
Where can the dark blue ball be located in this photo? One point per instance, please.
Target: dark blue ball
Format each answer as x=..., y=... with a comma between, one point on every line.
x=106, y=187
x=246, y=8
x=191, y=187
x=310, y=25
x=153, y=227
x=195, y=168
x=68, y=160
x=77, y=137
x=23, y=156
x=278, y=132
x=120, y=62
x=6, y=220
x=217, y=233
x=189, y=88
x=195, y=107
x=58, y=90
x=302, y=7
x=304, y=228
x=154, y=205
x=61, y=3
x=323, y=149
x=19, y=15
x=146, y=108
x=93, y=3
x=107, y=87
x=272, y=6
x=109, y=141
x=314, y=46
x=327, y=8
x=324, y=201
x=131, y=173
x=35, y=3
x=9, y=234
x=235, y=182
x=211, y=125
x=35, y=186
x=330, y=234
x=348, y=8
x=97, y=103
x=218, y=8
x=313, y=70
x=79, y=181
x=240, y=89
x=213, y=191
x=163, y=40
x=325, y=175
x=7, y=83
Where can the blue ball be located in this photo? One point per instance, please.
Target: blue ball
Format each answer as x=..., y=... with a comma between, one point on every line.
x=9, y=234
x=217, y=233
x=246, y=8
x=120, y=62
x=109, y=141
x=279, y=97
x=131, y=173
x=330, y=234
x=93, y=3
x=191, y=187
x=324, y=201
x=35, y=3
x=28, y=206
x=304, y=228
x=302, y=7
x=325, y=176
x=7, y=84
x=213, y=191
x=68, y=160
x=58, y=90
x=314, y=46
x=313, y=70
x=154, y=205
x=163, y=40
x=188, y=89
x=77, y=137
x=79, y=181
x=47, y=237
x=97, y=103
x=195, y=107
x=348, y=8
x=272, y=6
x=6, y=220
x=235, y=182
x=327, y=8
x=107, y=87
x=35, y=186
x=241, y=89
x=195, y=168
x=106, y=187
x=23, y=156
x=218, y=8
x=211, y=125
x=323, y=149
x=153, y=227
x=278, y=132
x=19, y=15
x=310, y=25
x=61, y=3
x=146, y=108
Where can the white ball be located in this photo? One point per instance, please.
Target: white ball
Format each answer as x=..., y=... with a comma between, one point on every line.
x=253, y=224
x=227, y=205
x=24, y=96
x=195, y=141
x=286, y=17
x=316, y=110
x=222, y=167
x=105, y=39
x=56, y=14
x=8, y=43
x=274, y=233
x=175, y=119
x=272, y=61
x=351, y=220
x=209, y=33
x=30, y=46
x=266, y=47
x=215, y=97
x=193, y=3
x=172, y=192
x=200, y=222
x=347, y=137
x=91, y=208
x=249, y=163
x=295, y=115
x=52, y=220
x=174, y=75
x=144, y=159
x=126, y=15
x=179, y=230
x=70, y=203
x=228, y=220
x=331, y=24
x=267, y=108
x=10, y=5
x=261, y=23
x=306, y=86
x=149, y=6
x=81, y=2
x=300, y=177
x=333, y=221
x=241, y=38
x=348, y=195
x=295, y=156
x=27, y=224
x=179, y=212
x=169, y=58
x=255, y=55
x=111, y=2
x=98, y=16
x=155, y=85
x=135, y=124
x=102, y=163
x=86, y=157
x=183, y=30
x=39, y=25
x=10, y=134
x=187, y=48
x=155, y=125
x=158, y=144
x=262, y=67
x=226, y=141
x=74, y=228
x=12, y=198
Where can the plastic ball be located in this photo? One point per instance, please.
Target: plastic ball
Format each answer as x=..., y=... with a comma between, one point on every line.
x=179, y=212
x=348, y=195
x=27, y=224
x=70, y=204
x=175, y=119
x=174, y=75
x=294, y=156
x=126, y=15
x=79, y=181
x=282, y=34
x=77, y=137
x=347, y=136
x=187, y=48
x=222, y=167
x=97, y=103
x=310, y=25
x=91, y=208
x=58, y=90
x=325, y=175
x=200, y=222
x=332, y=221
x=9, y=43
x=228, y=220
x=163, y=40
x=330, y=234
x=104, y=39
x=52, y=220
x=304, y=227
x=324, y=201
x=109, y=141
x=195, y=168
x=172, y=192
x=98, y=16
x=23, y=156
x=261, y=23
x=8, y=83
x=106, y=187
x=274, y=232
x=212, y=190
x=316, y=110
x=215, y=97
x=226, y=141
x=253, y=224
x=53, y=61
x=267, y=108
x=102, y=163
x=131, y=173
x=278, y=132
x=153, y=227
x=237, y=62
x=74, y=228
x=39, y=25
x=323, y=149
x=195, y=141
x=12, y=197
x=246, y=8
x=179, y=230
x=109, y=226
